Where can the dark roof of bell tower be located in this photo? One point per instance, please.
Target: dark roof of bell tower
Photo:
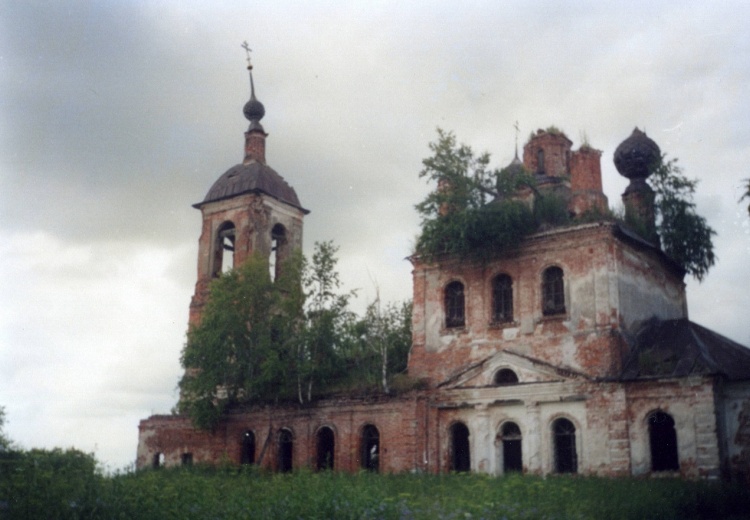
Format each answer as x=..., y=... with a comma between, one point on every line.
x=253, y=177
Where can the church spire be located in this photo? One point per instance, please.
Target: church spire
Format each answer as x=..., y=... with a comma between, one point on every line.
x=255, y=137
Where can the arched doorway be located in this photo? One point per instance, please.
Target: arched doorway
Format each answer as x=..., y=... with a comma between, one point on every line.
x=325, y=448
x=286, y=451
x=663, y=440
x=566, y=457
x=370, y=449
x=247, y=455
x=460, y=453
x=510, y=437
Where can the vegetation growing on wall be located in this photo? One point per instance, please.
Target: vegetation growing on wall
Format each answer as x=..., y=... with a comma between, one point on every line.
x=685, y=235
x=472, y=212
x=294, y=339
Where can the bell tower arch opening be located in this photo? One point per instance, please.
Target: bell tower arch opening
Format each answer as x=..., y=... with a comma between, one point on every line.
x=279, y=250
x=224, y=249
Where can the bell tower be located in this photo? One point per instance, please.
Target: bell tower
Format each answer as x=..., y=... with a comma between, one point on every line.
x=249, y=209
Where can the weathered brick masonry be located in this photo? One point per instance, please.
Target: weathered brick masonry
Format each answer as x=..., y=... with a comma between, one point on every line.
x=573, y=353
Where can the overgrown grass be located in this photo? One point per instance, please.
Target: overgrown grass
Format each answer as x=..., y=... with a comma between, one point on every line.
x=232, y=493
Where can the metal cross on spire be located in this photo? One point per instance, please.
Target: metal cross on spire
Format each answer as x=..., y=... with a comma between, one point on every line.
x=248, y=50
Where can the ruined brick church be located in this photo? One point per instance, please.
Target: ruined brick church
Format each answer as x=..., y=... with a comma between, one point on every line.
x=573, y=354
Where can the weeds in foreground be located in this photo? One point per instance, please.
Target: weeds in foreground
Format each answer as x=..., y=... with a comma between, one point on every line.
x=33, y=491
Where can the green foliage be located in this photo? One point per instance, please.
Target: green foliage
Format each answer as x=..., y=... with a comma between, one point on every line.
x=385, y=333
x=551, y=210
x=326, y=316
x=293, y=339
x=5, y=443
x=49, y=484
x=235, y=354
x=224, y=493
x=685, y=235
x=472, y=212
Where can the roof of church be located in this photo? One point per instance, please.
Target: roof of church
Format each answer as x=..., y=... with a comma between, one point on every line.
x=253, y=177
x=681, y=348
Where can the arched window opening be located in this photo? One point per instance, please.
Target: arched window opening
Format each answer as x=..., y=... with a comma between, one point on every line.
x=286, y=451
x=566, y=457
x=540, y=161
x=502, y=299
x=370, y=450
x=248, y=448
x=186, y=459
x=158, y=460
x=278, y=240
x=224, y=249
x=663, y=439
x=510, y=436
x=454, y=305
x=553, y=291
x=460, y=455
x=326, y=445
x=505, y=377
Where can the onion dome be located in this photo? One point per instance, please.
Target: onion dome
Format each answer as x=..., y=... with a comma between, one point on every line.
x=254, y=109
x=636, y=155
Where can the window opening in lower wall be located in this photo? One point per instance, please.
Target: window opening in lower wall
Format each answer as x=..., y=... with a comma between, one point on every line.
x=186, y=459
x=370, y=451
x=566, y=458
x=248, y=448
x=663, y=440
x=286, y=451
x=158, y=460
x=460, y=454
x=325, y=445
x=510, y=435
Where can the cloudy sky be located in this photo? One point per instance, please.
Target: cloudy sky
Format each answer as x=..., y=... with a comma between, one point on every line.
x=116, y=116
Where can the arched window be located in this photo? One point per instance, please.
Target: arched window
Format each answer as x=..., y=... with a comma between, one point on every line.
x=553, y=291
x=540, y=161
x=370, y=448
x=248, y=448
x=510, y=436
x=460, y=455
x=505, y=376
x=223, y=249
x=286, y=451
x=454, y=305
x=564, y=437
x=325, y=446
x=663, y=439
x=158, y=460
x=278, y=241
x=502, y=299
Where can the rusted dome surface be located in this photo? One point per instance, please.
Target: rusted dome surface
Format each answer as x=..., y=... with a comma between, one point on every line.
x=636, y=155
x=248, y=178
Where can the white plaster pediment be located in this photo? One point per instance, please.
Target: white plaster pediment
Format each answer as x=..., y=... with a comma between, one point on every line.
x=527, y=369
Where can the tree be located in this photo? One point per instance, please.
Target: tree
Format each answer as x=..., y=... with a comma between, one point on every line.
x=472, y=212
x=5, y=443
x=236, y=354
x=326, y=315
x=685, y=235
x=387, y=331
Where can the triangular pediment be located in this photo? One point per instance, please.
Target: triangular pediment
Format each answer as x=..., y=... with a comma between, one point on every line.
x=526, y=369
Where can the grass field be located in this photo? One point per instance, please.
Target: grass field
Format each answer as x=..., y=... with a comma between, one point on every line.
x=51, y=490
